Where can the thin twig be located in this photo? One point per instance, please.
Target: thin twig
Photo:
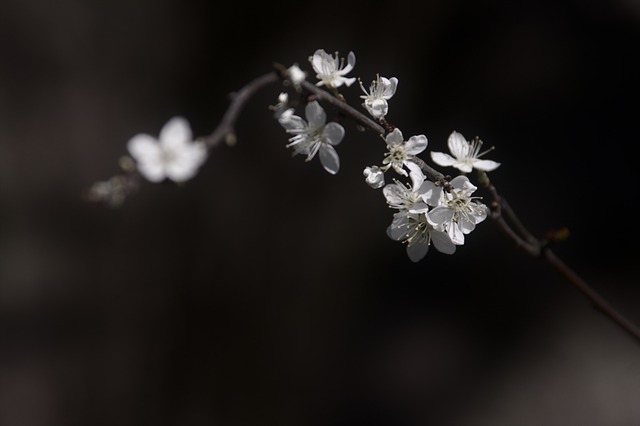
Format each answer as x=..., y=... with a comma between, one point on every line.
x=598, y=301
x=535, y=248
x=502, y=213
x=225, y=129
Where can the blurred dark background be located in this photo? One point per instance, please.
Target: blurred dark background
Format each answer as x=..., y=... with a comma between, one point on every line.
x=265, y=291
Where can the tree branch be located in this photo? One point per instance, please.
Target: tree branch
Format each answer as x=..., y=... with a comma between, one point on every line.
x=225, y=129
x=524, y=240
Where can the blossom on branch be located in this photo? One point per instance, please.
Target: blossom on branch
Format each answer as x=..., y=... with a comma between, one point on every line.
x=374, y=176
x=380, y=91
x=465, y=155
x=418, y=234
x=314, y=136
x=400, y=152
x=174, y=155
x=457, y=214
x=296, y=76
x=410, y=224
x=330, y=70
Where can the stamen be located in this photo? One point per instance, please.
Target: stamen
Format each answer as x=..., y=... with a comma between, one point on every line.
x=486, y=151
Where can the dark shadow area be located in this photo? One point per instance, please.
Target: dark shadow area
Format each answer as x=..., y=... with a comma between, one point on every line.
x=265, y=291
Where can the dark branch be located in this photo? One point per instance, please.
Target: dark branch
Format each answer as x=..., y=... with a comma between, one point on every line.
x=523, y=239
x=225, y=129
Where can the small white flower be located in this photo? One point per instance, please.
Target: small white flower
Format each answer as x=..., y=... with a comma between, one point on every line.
x=296, y=76
x=458, y=214
x=400, y=152
x=415, y=230
x=380, y=91
x=409, y=198
x=374, y=176
x=173, y=155
x=315, y=136
x=466, y=155
x=331, y=70
x=282, y=106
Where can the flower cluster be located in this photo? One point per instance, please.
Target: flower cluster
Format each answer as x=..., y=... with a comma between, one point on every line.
x=439, y=213
x=429, y=214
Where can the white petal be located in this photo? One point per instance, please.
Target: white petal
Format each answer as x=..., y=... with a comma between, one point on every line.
x=351, y=62
x=390, y=86
x=416, y=175
x=329, y=158
x=144, y=147
x=398, y=229
x=394, y=138
x=440, y=215
x=319, y=58
x=442, y=242
x=463, y=166
x=459, y=182
x=176, y=132
x=418, y=249
x=430, y=193
x=374, y=177
x=455, y=233
x=153, y=172
x=395, y=194
x=442, y=159
x=333, y=133
x=292, y=123
x=378, y=108
x=347, y=81
x=485, y=165
x=479, y=212
x=186, y=163
x=466, y=226
x=416, y=144
x=458, y=145
x=418, y=208
x=315, y=115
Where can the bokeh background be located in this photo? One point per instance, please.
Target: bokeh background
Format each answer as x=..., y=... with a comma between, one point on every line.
x=265, y=291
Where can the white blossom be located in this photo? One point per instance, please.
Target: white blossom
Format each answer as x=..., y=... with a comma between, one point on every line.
x=458, y=213
x=296, y=76
x=409, y=198
x=410, y=224
x=374, y=176
x=415, y=230
x=465, y=155
x=314, y=136
x=330, y=70
x=400, y=152
x=282, y=106
x=173, y=155
x=380, y=91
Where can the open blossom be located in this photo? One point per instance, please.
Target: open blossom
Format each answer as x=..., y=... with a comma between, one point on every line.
x=410, y=223
x=331, y=70
x=314, y=136
x=400, y=152
x=458, y=213
x=173, y=155
x=465, y=155
x=415, y=230
x=380, y=91
x=408, y=198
